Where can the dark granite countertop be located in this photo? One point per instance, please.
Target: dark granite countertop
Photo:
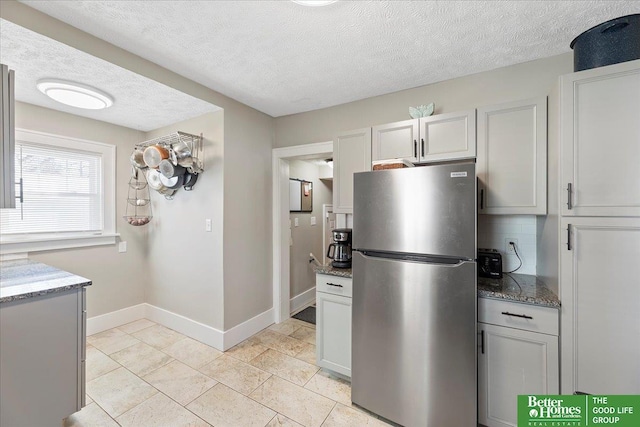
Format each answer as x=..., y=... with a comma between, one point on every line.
x=24, y=278
x=522, y=288
x=332, y=271
x=518, y=288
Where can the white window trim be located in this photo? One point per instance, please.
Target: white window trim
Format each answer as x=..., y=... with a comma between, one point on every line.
x=11, y=244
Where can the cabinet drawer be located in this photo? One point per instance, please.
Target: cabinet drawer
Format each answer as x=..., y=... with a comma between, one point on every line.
x=512, y=315
x=334, y=285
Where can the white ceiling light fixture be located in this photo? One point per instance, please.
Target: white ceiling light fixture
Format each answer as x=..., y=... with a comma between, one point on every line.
x=314, y=3
x=75, y=94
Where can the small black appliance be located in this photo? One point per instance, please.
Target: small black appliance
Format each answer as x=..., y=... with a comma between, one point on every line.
x=489, y=263
x=340, y=250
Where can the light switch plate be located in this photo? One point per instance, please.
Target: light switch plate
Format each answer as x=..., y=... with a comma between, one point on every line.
x=295, y=222
x=122, y=247
x=207, y=225
x=313, y=220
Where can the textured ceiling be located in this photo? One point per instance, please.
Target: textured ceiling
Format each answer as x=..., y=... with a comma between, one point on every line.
x=282, y=58
x=140, y=103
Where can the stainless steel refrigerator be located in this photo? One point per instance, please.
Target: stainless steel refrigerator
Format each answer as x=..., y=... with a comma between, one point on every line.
x=414, y=295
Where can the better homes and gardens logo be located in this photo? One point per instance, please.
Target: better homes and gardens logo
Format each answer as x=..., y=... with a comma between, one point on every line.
x=578, y=411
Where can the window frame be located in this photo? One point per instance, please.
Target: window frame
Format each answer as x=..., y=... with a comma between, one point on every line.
x=19, y=243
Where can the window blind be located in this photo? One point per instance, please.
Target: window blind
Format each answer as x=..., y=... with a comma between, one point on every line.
x=62, y=191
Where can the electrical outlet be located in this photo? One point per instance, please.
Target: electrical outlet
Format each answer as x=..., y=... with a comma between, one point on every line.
x=508, y=248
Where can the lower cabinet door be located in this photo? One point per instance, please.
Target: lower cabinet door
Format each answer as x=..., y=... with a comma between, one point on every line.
x=333, y=333
x=512, y=362
x=39, y=359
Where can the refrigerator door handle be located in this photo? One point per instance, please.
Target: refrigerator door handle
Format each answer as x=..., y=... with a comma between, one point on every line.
x=426, y=259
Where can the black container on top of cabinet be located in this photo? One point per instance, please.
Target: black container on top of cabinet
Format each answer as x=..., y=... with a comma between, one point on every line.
x=613, y=41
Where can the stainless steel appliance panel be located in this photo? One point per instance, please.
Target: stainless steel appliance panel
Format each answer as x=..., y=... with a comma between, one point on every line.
x=414, y=341
x=422, y=210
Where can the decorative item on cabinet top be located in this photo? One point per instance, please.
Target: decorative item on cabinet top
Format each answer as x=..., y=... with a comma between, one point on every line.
x=178, y=157
x=422, y=111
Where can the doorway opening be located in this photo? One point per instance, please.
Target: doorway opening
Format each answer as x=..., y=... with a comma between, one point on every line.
x=293, y=279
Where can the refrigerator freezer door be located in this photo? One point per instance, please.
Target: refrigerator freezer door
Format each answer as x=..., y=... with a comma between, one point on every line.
x=414, y=341
x=422, y=210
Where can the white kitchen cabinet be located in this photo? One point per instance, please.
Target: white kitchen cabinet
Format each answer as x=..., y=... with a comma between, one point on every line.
x=42, y=348
x=512, y=359
x=351, y=154
x=441, y=137
x=7, y=138
x=512, y=158
x=600, y=147
x=600, y=293
x=397, y=140
x=333, y=328
x=448, y=136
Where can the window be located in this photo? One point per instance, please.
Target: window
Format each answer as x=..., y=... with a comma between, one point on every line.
x=68, y=194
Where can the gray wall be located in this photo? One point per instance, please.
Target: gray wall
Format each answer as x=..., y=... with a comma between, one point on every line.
x=185, y=261
x=248, y=142
x=118, y=278
x=247, y=214
x=307, y=238
x=522, y=81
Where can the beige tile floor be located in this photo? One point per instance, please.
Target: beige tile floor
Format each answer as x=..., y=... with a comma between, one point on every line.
x=143, y=374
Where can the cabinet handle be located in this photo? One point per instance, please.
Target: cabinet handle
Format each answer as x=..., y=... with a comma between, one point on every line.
x=334, y=284
x=415, y=148
x=524, y=316
x=568, y=237
x=569, y=191
x=422, y=140
x=481, y=198
x=482, y=342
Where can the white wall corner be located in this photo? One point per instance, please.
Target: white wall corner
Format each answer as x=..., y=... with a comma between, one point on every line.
x=302, y=300
x=191, y=328
x=244, y=330
x=116, y=318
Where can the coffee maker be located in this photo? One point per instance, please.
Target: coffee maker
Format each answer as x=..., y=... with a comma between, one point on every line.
x=341, y=253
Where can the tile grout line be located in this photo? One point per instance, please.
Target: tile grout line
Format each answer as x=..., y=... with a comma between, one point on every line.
x=271, y=375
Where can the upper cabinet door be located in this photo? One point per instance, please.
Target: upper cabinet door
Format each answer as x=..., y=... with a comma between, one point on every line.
x=512, y=158
x=601, y=141
x=351, y=153
x=448, y=136
x=395, y=141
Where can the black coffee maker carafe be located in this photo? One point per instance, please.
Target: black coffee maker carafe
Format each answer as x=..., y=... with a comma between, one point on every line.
x=340, y=250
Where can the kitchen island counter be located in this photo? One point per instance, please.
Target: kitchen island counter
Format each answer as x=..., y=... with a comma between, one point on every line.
x=24, y=278
x=522, y=288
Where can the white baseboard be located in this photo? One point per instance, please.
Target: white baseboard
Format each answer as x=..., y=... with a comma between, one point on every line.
x=244, y=330
x=191, y=328
x=115, y=318
x=299, y=301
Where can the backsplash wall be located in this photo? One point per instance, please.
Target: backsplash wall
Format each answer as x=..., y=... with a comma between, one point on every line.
x=494, y=230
